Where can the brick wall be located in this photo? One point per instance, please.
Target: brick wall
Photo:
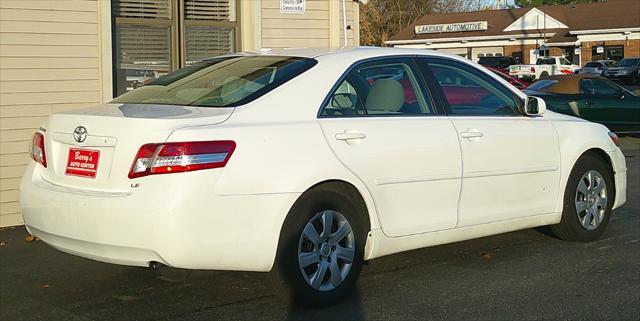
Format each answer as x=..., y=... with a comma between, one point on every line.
x=525, y=49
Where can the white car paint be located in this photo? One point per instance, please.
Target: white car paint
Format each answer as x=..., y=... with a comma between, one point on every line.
x=231, y=218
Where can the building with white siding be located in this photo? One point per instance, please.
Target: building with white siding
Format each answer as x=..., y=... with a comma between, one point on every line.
x=57, y=55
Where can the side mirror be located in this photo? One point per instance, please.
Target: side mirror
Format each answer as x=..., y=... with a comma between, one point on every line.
x=534, y=106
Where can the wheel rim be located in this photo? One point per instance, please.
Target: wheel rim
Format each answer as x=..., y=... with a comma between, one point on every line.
x=326, y=250
x=591, y=200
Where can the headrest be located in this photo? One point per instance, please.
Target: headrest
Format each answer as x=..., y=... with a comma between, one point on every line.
x=385, y=95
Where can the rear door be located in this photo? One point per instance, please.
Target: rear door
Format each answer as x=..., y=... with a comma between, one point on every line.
x=510, y=161
x=384, y=127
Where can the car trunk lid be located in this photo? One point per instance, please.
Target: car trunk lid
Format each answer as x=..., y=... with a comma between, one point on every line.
x=92, y=149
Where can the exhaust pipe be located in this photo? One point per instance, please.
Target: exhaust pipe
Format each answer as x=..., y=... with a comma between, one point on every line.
x=155, y=265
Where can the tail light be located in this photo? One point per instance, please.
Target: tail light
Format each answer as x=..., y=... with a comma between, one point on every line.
x=167, y=158
x=37, y=149
x=533, y=69
x=614, y=138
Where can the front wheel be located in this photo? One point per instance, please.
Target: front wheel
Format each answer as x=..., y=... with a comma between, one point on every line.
x=321, y=249
x=588, y=200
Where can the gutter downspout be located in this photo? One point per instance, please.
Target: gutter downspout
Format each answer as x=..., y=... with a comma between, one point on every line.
x=344, y=22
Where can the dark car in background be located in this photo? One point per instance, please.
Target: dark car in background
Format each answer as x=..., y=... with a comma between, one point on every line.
x=627, y=71
x=593, y=98
x=598, y=67
x=498, y=62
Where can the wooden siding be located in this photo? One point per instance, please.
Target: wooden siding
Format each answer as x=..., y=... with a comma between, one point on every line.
x=311, y=29
x=50, y=57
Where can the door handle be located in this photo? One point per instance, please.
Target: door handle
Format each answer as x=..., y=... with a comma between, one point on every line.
x=347, y=136
x=471, y=134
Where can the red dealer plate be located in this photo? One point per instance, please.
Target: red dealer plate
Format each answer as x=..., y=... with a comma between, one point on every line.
x=82, y=162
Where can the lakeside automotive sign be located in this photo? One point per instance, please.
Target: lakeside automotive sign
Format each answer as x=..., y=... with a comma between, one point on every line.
x=452, y=27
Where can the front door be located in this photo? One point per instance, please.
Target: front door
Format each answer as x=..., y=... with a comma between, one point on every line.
x=383, y=126
x=511, y=162
x=606, y=103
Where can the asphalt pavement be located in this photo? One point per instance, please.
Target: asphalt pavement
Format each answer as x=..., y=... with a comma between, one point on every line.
x=524, y=275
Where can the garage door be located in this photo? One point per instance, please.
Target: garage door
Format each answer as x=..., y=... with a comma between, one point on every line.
x=462, y=52
x=476, y=53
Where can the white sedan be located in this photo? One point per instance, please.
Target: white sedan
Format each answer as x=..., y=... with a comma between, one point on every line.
x=310, y=162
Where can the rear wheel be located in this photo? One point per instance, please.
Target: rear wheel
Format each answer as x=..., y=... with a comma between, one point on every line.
x=588, y=200
x=544, y=75
x=321, y=249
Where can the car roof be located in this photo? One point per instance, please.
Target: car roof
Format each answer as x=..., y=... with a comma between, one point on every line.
x=567, y=84
x=351, y=53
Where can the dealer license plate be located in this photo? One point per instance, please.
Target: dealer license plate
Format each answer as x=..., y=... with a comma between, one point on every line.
x=82, y=162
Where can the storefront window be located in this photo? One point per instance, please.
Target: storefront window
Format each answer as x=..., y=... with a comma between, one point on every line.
x=154, y=37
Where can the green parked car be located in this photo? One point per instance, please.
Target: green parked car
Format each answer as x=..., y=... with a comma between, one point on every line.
x=593, y=98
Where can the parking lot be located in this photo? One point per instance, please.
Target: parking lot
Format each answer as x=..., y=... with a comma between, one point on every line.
x=524, y=275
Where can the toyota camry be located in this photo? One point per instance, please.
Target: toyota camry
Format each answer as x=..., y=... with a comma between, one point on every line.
x=307, y=163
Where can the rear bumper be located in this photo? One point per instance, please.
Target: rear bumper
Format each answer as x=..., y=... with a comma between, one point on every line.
x=620, y=176
x=182, y=225
x=524, y=77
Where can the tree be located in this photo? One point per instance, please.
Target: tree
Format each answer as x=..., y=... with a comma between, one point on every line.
x=381, y=19
x=533, y=3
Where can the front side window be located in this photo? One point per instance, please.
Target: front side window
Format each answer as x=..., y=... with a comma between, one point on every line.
x=385, y=87
x=219, y=82
x=564, y=61
x=605, y=88
x=470, y=92
x=586, y=87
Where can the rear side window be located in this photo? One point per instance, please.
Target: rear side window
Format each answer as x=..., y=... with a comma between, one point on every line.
x=220, y=82
x=469, y=91
x=593, y=64
x=383, y=87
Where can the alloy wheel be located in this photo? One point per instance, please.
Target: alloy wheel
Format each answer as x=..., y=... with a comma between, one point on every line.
x=591, y=200
x=326, y=250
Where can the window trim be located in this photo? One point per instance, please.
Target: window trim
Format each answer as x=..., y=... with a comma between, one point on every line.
x=445, y=102
x=422, y=84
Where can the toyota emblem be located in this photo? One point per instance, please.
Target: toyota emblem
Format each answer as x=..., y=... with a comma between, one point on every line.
x=80, y=134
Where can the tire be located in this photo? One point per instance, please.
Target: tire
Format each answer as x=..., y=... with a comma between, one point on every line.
x=296, y=284
x=544, y=75
x=583, y=190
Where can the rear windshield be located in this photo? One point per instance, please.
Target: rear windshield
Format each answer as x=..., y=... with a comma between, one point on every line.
x=546, y=61
x=542, y=85
x=219, y=82
x=593, y=64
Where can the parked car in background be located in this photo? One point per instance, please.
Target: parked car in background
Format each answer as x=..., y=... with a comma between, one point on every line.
x=627, y=71
x=544, y=67
x=295, y=162
x=498, y=62
x=599, y=67
x=593, y=98
x=512, y=80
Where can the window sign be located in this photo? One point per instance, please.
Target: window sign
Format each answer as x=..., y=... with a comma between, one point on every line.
x=600, y=49
x=292, y=6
